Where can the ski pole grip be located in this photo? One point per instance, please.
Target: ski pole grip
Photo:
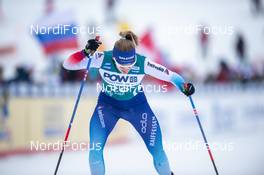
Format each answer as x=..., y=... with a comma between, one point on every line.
x=97, y=38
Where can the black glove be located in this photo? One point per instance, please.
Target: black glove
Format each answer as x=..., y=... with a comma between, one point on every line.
x=92, y=45
x=188, y=89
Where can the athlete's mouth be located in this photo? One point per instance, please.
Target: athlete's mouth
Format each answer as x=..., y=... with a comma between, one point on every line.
x=124, y=70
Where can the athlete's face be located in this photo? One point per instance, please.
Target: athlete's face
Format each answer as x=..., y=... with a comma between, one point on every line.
x=123, y=68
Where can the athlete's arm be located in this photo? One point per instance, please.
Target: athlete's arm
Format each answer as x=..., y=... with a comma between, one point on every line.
x=161, y=72
x=79, y=61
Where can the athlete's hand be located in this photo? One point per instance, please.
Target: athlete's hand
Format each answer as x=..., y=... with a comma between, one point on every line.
x=92, y=45
x=188, y=89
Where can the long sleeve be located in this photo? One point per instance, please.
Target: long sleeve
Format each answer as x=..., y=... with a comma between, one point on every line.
x=79, y=61
x=162, y=73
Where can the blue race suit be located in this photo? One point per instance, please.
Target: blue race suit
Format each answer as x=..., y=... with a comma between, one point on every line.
x=132, y=106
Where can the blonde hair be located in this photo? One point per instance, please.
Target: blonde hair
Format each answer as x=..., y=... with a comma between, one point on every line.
x=128, y=41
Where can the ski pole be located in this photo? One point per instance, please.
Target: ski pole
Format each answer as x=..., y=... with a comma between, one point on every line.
x=204, y=137
x=73, y=115
x=74, y=110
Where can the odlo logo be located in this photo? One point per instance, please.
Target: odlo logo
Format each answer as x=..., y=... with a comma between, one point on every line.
x=118, y=78
x=144, y=123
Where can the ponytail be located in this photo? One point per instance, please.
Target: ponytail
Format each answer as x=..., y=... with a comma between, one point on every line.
x=129, y=35
x=128, y=41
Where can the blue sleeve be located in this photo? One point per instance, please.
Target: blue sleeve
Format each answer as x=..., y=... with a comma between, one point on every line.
x=177, y=80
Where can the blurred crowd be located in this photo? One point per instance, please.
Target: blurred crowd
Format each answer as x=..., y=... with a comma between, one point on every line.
x=244, y=71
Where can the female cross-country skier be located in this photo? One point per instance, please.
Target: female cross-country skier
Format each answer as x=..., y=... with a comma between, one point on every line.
x=122, y=71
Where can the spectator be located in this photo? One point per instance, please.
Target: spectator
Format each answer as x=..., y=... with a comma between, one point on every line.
x=204, y=41
x=257, y=7
x=225, y=73
x=240, y=47
x=22, y=75
x=4, y=109
x=1, y=75
x=49, y=6
x=110, y=11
